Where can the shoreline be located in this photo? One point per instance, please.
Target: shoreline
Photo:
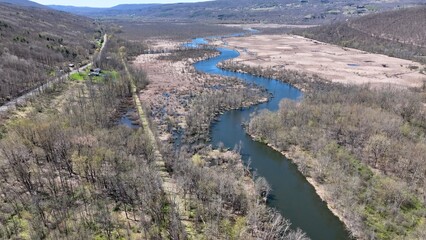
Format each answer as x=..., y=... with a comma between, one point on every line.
x=247, y=182
x=223, y=65
x=319, y=189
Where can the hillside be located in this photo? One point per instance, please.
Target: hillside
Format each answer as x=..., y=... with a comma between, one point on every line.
x=24, y=3
x=36, y=44
x=398, y=33
x=271, y=11
x=405, y=26
x=99, y=12
x=84, y=11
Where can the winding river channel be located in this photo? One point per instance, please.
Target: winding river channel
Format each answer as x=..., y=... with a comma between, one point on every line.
x=292, y=194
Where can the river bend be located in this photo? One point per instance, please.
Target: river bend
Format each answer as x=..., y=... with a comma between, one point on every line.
x=292, y=195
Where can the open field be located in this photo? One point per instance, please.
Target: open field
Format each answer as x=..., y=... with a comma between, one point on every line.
x=175, y=31
x=338, y=64
x=268, y=25
x=271, y=28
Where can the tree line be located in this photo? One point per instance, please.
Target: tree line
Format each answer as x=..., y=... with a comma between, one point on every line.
x=74, y=173
x=69, y=171
x=222, y=197
x=365, y=147
x=33, y=52
x=225, y=199
x=378, y=33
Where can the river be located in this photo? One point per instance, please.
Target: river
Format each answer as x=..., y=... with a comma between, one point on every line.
x=292, y=195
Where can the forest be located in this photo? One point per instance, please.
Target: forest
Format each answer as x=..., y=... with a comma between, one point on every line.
x=244, y=11
x=34, y=51
x=378, y=33
x=365, y=147
x=69, y=171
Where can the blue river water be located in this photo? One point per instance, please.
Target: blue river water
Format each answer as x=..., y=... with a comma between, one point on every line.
x=292, y=195
x=126, y=121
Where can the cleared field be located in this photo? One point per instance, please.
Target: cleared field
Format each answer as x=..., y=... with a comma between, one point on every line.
x=334, y=63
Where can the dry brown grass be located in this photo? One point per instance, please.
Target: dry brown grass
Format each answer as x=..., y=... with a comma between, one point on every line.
x=338, y=64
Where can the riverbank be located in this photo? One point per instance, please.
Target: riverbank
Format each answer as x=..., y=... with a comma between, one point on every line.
x=304, y=82
x=174, y=83
x=371, y=196
x=182, y=104
x=292, y=194
x=302, y=160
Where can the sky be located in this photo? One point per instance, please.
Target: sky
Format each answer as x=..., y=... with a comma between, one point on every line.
x=105, y=3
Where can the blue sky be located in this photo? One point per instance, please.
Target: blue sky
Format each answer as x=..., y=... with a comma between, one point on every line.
x=105, y=3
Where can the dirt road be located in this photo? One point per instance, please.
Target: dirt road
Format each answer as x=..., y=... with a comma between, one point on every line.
x=22, y=99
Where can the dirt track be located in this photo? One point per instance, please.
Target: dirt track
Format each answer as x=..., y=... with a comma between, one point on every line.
x=332, y=62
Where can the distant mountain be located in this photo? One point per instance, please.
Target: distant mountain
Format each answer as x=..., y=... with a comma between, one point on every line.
x=272, y=11
x=24, y=3
x=85, y=11
x=98, y=12
x=125, y=7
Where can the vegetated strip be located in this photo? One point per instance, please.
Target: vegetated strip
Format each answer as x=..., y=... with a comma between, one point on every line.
x=169, y=186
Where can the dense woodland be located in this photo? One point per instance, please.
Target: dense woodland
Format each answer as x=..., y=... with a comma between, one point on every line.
x=365, y=147
x=71, y=173
x=224, y=199
x=38, y=44
x=396, y=33
x=68, y=171
x=404, y=25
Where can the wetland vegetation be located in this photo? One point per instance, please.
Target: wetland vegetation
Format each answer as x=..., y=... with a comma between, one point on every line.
x=204, y=157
